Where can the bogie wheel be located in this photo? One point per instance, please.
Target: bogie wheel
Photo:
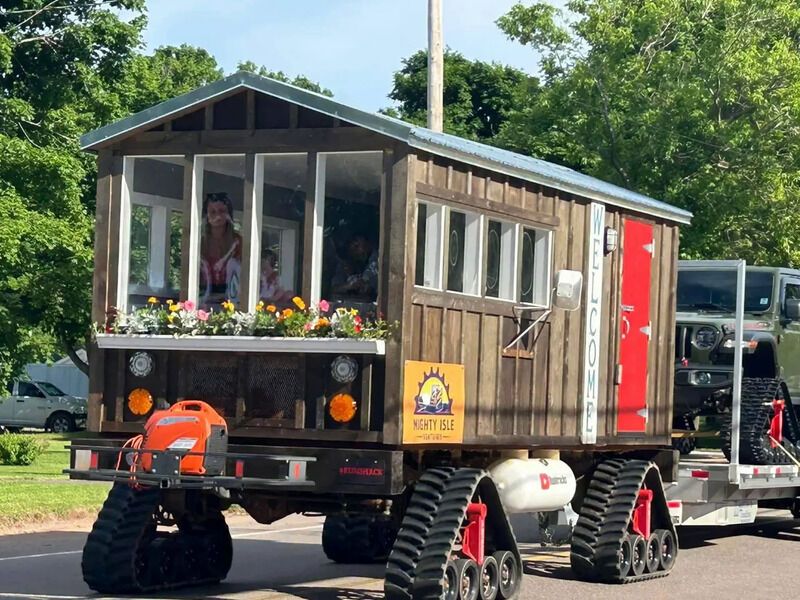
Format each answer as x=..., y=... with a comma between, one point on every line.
x=638, y=555
x=489, y=579
x=625, y=556
x=667, y=548
x=467, y=576
x=510, y=574
x=684, y=445
x=61, y=423
x=450, y=583
x=653, y=554
x=796, y=508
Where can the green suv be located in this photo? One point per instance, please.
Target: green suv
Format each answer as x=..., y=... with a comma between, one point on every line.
x=704, y=350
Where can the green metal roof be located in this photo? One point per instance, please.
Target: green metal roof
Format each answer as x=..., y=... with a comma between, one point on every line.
x=442, y=144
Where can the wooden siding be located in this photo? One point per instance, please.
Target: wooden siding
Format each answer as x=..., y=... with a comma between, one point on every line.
x=533, y=396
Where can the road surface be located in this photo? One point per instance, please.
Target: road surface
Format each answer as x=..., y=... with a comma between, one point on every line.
x=285, y=560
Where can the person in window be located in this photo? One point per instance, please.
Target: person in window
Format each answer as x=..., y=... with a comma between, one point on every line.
x=356, y=276
x=271, y=289
x=220, y=252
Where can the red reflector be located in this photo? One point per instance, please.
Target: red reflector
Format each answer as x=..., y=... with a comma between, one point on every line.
x=239, y=469
x=700, y=474
x=94, y=460
x=674, y=504
x=755, y=471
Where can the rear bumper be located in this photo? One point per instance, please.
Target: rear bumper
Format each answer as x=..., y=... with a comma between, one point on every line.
x=351, y=471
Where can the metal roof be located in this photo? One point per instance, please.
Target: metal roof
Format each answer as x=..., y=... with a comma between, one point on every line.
x=442, y=144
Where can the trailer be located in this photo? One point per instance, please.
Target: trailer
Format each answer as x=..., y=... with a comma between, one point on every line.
x=303, y=307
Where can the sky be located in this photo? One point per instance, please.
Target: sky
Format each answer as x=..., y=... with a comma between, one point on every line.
x=352, y=47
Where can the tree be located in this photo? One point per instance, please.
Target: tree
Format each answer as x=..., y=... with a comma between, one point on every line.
x=478, y=96
x=300, y=81
x=696, y=102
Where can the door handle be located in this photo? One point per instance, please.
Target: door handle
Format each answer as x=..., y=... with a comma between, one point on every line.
x=21, y=400
x=626, y=327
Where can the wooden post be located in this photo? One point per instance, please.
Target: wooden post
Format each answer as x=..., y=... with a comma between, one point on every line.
x=435, y=66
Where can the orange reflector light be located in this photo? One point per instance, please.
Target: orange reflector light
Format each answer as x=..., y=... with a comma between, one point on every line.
x=342, y=408
x=140, y=401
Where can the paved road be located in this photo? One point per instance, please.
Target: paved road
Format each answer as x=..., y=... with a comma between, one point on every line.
x=285, y=561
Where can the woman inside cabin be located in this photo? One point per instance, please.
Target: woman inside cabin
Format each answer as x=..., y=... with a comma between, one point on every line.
x=220, y=252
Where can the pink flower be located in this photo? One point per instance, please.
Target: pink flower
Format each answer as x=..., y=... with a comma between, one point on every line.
x=189, y=305
x=324, y=306
x=202, y=315
x=307, y=326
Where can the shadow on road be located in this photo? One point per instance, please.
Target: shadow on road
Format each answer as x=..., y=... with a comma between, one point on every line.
x=700, y=537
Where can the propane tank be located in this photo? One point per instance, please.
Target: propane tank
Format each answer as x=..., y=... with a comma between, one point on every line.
x=533, y=484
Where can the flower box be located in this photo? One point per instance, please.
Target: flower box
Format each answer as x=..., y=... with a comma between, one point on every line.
x=237, y=343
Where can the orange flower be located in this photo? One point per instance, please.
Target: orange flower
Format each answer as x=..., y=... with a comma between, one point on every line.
x=286, y=313
x=298, y=302
x=271, y=308
x=322, y=322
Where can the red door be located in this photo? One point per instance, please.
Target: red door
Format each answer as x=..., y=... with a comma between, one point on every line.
x=637, y=256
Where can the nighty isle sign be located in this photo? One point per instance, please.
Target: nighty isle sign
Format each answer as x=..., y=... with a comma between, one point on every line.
x=433, y=403
x=593, y=325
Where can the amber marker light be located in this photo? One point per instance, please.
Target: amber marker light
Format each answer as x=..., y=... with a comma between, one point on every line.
x=342, y=408
x=140, y=401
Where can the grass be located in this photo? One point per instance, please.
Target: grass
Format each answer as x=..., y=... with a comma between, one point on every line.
x=41, y=492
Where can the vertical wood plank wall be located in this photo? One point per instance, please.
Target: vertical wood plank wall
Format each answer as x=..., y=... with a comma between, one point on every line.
x=529, y=397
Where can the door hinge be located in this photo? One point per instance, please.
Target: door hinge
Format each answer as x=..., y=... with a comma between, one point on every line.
x=642, y=413
x=618, y=374
x=651, y=248
x=647, y=330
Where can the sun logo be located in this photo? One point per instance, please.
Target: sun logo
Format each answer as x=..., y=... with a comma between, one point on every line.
x=434, y=395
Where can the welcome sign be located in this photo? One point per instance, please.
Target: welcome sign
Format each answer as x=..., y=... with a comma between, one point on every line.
x=593, y=325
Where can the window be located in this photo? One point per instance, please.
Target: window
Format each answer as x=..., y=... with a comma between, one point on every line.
x=463, y=252
x=281, y=182
x=499, y=260
x=150, y=253
x=430, y=219
x=28, y=389
x=347, y=222
x=219, y=197
x=534, y=276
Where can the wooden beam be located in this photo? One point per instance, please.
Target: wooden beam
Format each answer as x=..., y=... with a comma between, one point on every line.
x=308, y=223
x=259, y=141
x=102, y=235
x=249, y=287
x=186, y=222
x=208, y=117
x=250, y=115
x=366, y=392
x=114, y=233
x=437, y=194
x=384, y=214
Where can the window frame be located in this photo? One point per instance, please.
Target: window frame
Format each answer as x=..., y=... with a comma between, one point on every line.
x=513, y=255
x=439, y=212
x=542, y=267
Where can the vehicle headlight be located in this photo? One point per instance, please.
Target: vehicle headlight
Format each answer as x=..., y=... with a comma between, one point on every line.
x=705, y=338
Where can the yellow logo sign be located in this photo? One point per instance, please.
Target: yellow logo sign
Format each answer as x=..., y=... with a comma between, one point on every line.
x=433, y=403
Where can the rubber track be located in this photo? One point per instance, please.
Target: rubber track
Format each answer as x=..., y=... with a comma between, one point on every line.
x=410, y=541
x=459, y=491
x=604, y=518
x=116, y=554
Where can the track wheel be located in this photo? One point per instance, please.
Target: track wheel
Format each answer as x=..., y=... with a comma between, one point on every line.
x=625, y=556
x=467, y=576
x=450, y=582
x=667, y=548
x=510, y=573
x=653, y=561
x=489, y=579
x=638, y=555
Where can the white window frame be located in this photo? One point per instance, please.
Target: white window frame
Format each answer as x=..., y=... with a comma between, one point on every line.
x=434, y=251
x=195, y=233
x=508, y=259
x=542, y=266
x=473, y=226
x=319, y=219
x=160, y=209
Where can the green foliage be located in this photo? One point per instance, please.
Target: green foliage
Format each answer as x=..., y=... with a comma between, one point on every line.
x=478, y=96
x=20, y=449
x=696, y=102
x=300, y=80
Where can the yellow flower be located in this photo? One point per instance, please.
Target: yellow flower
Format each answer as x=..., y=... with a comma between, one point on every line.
x=298, y=302
x=174, y=307
x=170, y=317
x=272, y=308
x=260, y=306
x=169, y=302
x=152, y=300
x=228, y=305
x=286, y=313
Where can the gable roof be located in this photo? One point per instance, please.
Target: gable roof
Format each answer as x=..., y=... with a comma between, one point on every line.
x=442, y=144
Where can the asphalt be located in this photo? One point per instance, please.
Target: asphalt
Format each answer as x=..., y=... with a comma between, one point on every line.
x=285, y=560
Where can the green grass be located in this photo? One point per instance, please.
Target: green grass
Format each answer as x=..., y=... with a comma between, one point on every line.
x=40, y=492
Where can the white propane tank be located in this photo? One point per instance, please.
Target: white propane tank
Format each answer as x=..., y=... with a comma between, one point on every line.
x=533, y=484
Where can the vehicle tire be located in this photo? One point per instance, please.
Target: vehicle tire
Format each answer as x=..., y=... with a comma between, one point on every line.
x=684, y=445
x=358, y=539
x=638, y=555
x=60, y=422
x=625, y=557
x=450, y=585
x=510, y=573
x=11, y=429
x=653, y=561
x=667, y=548
x=489, y=579
x=467, y=578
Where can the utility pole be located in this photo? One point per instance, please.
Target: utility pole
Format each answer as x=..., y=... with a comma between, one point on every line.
x=435, y=66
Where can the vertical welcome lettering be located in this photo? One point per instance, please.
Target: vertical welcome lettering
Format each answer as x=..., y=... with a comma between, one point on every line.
x=593, y=325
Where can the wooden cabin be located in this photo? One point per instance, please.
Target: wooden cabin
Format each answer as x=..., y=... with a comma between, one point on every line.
x=466, y=240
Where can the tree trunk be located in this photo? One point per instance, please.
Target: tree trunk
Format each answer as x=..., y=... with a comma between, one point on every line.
x=77, y=361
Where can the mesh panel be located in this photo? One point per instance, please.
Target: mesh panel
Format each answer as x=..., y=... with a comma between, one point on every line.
x=213, y=379
x=274, y=382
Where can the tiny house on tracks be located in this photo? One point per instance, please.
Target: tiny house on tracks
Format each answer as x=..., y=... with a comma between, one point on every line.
x=523, y=309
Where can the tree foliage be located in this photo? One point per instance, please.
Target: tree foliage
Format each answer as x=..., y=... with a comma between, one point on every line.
x=696, y=102
x=478, y=96
x=300, y=81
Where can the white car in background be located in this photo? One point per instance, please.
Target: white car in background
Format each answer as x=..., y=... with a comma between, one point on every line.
x=41, y=404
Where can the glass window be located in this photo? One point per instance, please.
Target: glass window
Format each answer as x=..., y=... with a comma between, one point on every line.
x=500, y=260
x=219, y=185
x=282, y=181
x=463, y=253
x=50, y=388
x=150, y=262
x=428, y=271
x=534, y=275
x=28, y=389
x=715, y=290
x=349, y=188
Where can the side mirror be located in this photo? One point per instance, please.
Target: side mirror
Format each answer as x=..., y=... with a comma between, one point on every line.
x=792, y=309
x=569, y=285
